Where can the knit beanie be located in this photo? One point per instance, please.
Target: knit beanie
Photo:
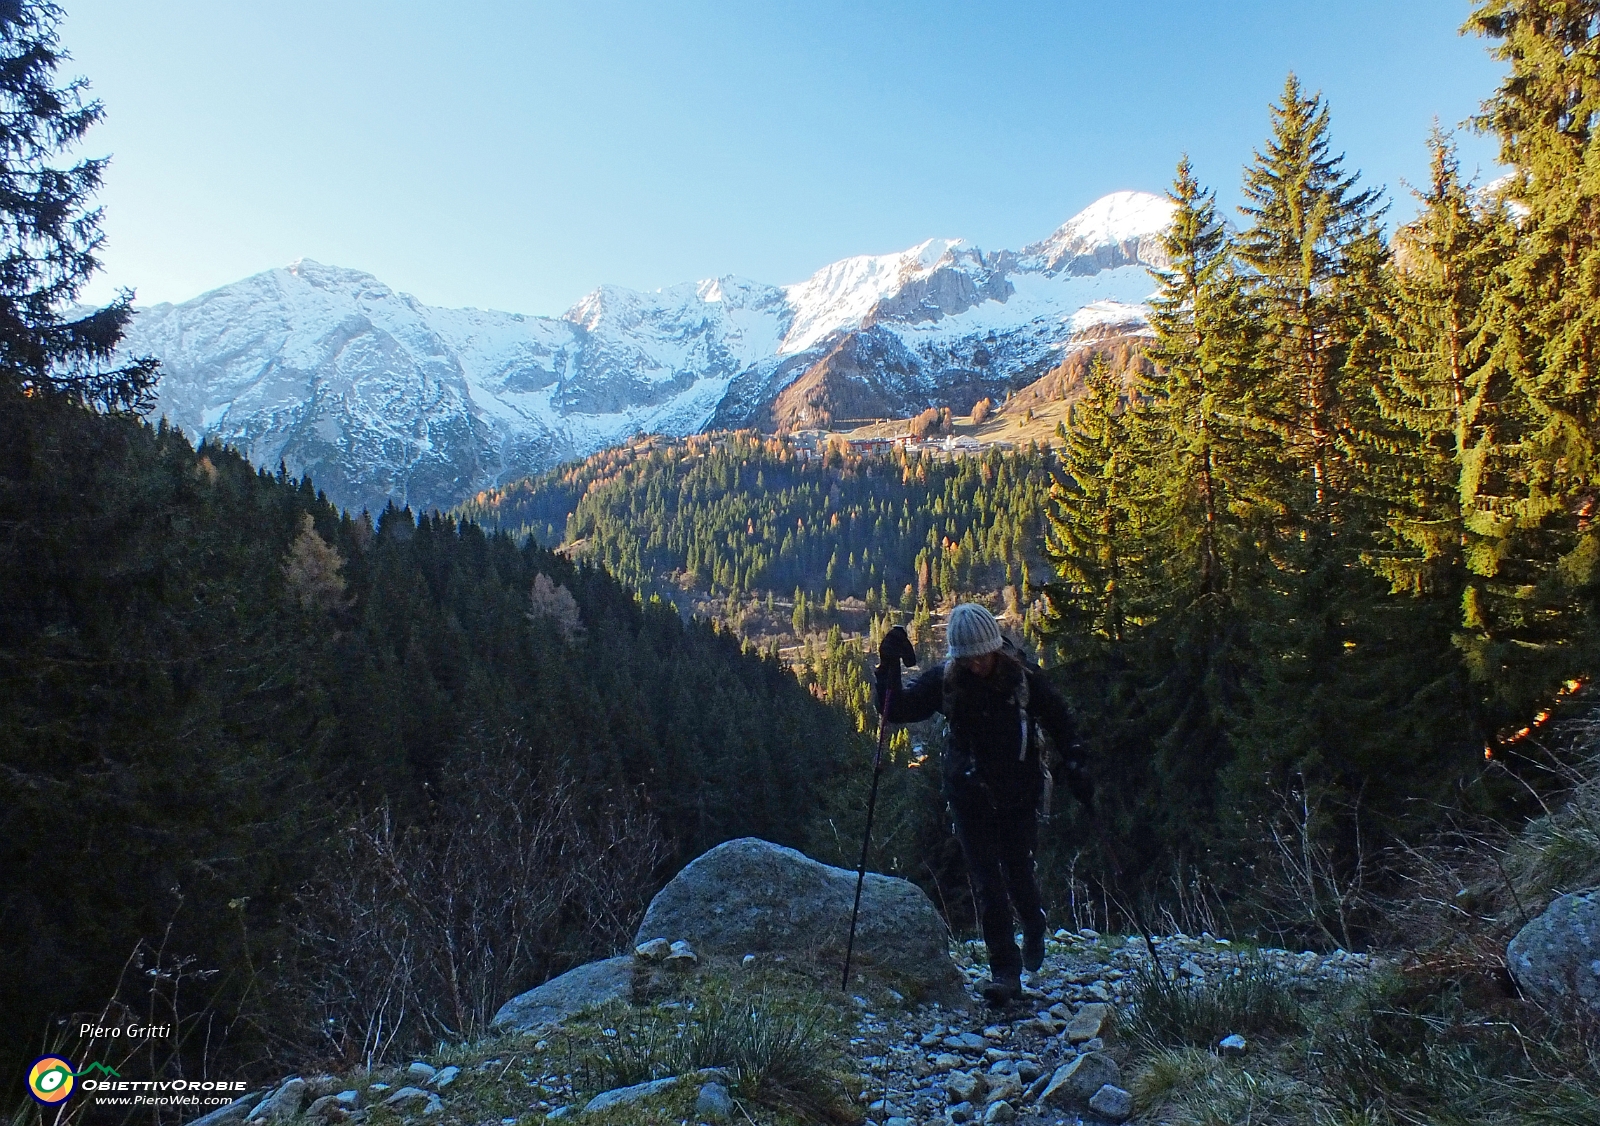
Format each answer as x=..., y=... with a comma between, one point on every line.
x=972, y=631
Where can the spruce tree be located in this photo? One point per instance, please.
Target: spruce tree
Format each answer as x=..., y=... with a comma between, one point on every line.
x=1314, y=251
x=1095, y=522
x=1533, y=554
x=50, y=228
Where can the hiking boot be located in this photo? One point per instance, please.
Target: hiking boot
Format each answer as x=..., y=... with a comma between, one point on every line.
x=1000, y=992
x=1033, y=952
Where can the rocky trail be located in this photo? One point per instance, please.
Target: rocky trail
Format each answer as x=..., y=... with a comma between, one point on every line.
x=1053, y=1057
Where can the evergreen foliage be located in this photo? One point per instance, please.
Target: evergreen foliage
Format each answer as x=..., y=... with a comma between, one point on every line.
x=207, y=672
x=735, y=513
x=50, y=228
x=1338, y=538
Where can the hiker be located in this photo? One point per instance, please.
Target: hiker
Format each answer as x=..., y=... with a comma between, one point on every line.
x=994, y=775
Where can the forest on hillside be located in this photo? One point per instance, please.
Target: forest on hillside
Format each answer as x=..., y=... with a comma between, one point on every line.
x=1316, y=585
x=735, y=513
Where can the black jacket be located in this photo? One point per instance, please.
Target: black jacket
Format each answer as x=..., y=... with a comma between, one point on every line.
x=991, y=749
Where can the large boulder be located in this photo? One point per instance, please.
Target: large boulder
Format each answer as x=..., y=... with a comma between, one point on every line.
x=1556, y=957
x=751, y=896
x=560, y=997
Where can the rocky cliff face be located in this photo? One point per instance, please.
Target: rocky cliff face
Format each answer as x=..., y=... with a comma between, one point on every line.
x=380, y=397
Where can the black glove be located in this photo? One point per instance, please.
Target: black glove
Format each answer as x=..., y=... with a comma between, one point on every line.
x=895, y=648
x=1080, y=782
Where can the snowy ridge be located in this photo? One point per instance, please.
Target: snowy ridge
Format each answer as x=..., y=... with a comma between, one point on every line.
x=380, y=397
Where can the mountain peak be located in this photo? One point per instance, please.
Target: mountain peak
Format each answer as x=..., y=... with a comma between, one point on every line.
x=1117, y=229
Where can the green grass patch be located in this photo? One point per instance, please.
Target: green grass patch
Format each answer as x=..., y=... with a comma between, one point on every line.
x=771, y=1031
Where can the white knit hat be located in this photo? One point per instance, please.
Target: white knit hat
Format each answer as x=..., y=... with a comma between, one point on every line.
x=972, y=631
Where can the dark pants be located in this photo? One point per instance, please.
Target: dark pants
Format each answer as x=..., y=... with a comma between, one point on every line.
x=999, y=847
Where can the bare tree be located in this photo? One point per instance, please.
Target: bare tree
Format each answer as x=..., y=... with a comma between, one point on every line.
x=420, y=933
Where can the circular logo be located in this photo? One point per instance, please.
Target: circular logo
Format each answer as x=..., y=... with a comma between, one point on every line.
x=50, y=1080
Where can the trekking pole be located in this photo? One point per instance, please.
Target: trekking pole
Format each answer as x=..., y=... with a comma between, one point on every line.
x=866, y=840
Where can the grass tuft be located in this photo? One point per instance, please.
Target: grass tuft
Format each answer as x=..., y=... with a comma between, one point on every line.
x=1254, y=998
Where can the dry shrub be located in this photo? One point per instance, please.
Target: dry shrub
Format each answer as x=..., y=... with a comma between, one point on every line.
x=420, y=933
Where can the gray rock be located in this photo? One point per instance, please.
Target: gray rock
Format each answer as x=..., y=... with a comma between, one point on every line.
x=1088, y=1022
x=1556, y=958
x=964, y=1087
x=966, y=1042
x=334, y=1108
x=945, y=1061
x=681, y=956
x=1074, y=1084
x=435, y=1105
x=622, y=1096
x=656, y=950
x=999, y=1112
x=558, y=1112
x=713, y=1103
x=282, y=1104
x=235, y=1111
x=899, y=1121
x=444, y=1077
x=319, y=1085
x=420, y=1072
x=1036, y=1088
x=1234, y=1045
x=407, y=1098
x=560, y=997
x=1006, y=1088
x=1112, y=1102
x=749, y=895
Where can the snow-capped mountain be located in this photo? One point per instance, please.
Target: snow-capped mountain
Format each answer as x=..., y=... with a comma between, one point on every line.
x=380, y=397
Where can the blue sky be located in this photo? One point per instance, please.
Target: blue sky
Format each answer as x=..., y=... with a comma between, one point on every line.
x=515, y=155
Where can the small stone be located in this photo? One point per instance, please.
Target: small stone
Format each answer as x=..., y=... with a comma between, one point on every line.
x=748, y=960
x=1099, y=991
x=377, y=1088
x=445, y=1077
x=944, y=1061
x=282, y=1104
x=656, y=950
x=966, y=1042
x=1192, y=969
x=1088, y=1022
x=897, y=1120
x=1094, y=1045
x=1234, y=1045
x=1001, y=1111
x=1006, y=1088
x=334, y=1108
x=714, y=1103
x=681, y=956
x=1060, y=1011
x=407, y=1097
x=1112, y=1102
x=961, y=1112
x=965, y=1087
x=1076, y=1083
x=420, y=1072
x=621, y=1096
x=1036, y=1088
x=435, y=1106
x=929, y=1040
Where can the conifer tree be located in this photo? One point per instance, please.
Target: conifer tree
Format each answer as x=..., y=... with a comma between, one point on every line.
x=1533, y=552
x=50, y=228
x=1314, y=252
x=1095, y=521
x=1184, y=436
